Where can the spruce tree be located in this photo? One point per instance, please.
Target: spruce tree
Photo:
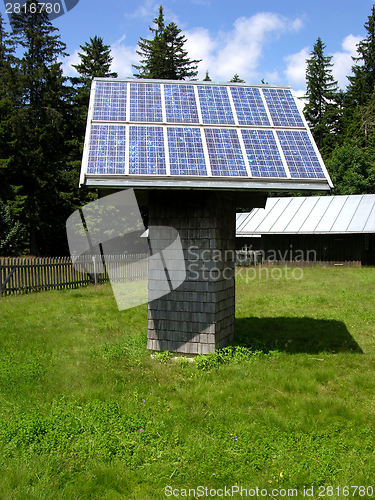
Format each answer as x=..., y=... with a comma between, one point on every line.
x=362, y=83
x=12, y=233
x=96, y=61
x=38, y=152
x=321, y=110
x=8, y=108
x=237, y=79
x=164, y=57
x=359, y=98
x=207, y=77
x=6, y=46
x=152, y=50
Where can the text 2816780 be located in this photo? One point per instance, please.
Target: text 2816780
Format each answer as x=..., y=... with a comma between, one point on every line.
x=33, y=8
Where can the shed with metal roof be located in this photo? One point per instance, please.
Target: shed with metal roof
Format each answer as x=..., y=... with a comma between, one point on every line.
x=321, y=228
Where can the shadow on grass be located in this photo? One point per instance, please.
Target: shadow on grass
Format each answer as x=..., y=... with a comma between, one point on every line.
x=295, y=335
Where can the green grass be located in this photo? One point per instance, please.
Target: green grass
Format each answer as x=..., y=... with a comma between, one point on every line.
x=87, y=414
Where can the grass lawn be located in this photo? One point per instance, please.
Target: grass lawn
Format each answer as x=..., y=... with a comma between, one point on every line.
x=87, y=414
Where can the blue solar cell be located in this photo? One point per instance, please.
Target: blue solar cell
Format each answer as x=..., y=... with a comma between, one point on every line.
x=225, y=152
x=145, y=102
x=110, y=101
x=107, y=149
x=146, y=150
x=215, y=104
x=282, y=108
x=180, y=105
x=263, y=154
x=249, y=106
x=186, y=154
x=300, y=154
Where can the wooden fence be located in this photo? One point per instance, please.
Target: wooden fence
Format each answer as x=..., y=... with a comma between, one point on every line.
x=248, y=257
x=310, y=263
x=22, y=275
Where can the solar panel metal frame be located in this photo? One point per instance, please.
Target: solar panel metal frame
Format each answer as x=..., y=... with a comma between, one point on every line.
x=208, y=181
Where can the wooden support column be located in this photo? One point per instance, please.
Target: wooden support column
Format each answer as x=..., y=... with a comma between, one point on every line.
x=198, y=316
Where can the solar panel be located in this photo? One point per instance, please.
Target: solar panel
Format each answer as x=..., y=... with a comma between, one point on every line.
x=186, y=153
x=180, y=105
x=225, y=152
x=300, y=155
x=263, y=154
x=186, y=134
x=282, y=107
x=145, y=102
x=215, y=105
x=110, y=101
x=249, y=106
x=146, y=150
x=107, y=149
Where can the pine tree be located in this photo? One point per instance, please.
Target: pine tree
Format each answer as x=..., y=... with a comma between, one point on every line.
x=8, y=107
x=38, y=151
x=6, y=45
x=236, y=78
x=367, y=113
x=362, y=83
x=152, y=50
x=207, y=77
x=321, y=111
x=12, y=233
x=95, y=61
x=164, y=57
x=359, y=99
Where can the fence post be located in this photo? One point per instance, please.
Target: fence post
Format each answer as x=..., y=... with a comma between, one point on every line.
x=94, y=263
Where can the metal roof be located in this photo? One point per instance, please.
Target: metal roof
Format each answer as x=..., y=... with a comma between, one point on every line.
x=310, y=215
x=198, y=135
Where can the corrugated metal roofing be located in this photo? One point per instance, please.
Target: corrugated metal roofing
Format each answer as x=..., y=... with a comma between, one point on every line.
x=310, y=215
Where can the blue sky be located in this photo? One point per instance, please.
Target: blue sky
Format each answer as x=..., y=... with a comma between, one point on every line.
x=268, y=39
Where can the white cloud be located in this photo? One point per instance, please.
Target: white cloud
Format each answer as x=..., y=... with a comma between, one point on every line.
x=149, y=10
x=343, y=62
x=239, y=50
x=200, y=45
x=67, y=68
x=296, y=68
x=123, y=58
x=297, y=24
x=236, y=51
x=146, y=10
x=272, y=77
x=206, y=3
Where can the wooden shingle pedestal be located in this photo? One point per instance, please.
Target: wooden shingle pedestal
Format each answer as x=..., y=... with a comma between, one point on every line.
x=198, y=316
